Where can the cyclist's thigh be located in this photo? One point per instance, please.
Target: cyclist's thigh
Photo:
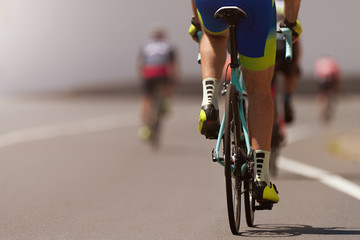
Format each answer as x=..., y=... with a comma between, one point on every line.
x=206, y=11
x=148, y=86
x=257, y=35
x=161, y=83
x=325, y=87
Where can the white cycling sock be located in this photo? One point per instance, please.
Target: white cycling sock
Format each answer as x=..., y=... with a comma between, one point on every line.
x=262, y=166
x=210, y=92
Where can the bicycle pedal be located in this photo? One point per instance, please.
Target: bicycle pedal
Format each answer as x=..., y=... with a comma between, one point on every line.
x=214, y=159
x=264, y=206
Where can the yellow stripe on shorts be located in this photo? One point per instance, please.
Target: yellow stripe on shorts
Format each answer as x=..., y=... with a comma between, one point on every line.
x=268, y=60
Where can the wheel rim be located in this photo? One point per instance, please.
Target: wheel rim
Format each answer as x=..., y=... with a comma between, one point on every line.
x=231, y=141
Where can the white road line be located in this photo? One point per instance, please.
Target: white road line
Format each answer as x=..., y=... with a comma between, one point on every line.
x=325, y=177
x=332, y=180
x=130, y=119
x=82, y=126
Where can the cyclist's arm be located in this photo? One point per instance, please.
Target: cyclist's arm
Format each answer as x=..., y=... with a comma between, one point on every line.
x=291, y=10
x=194, y=9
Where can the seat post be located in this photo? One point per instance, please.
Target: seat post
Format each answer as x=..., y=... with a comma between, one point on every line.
x=233, y=47
x=232, y=15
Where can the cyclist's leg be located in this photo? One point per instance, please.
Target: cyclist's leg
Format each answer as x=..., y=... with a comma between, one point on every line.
x=166, y=91
x=145, y=108
x=323, y=99
x=292, y=75
x=257, y=48
x=261, y=115
x=213, y=52
x=261, y=110
x=290, y=85
x=213, y=46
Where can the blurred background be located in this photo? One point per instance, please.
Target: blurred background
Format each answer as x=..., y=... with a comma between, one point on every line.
x=64, y=45
x=73, y=167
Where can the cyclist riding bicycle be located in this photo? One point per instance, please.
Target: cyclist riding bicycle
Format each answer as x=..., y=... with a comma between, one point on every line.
x=256, y=40
x=327, y=75
x=290, y=70
x=157, y=66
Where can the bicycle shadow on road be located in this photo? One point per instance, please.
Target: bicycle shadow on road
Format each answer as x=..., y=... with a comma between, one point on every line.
x=267, y=230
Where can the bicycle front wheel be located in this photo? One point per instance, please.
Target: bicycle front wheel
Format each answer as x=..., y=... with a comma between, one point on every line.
x=231, y=150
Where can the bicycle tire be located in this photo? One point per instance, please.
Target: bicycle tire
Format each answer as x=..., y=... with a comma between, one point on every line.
x=231, y=145
x=249, y=201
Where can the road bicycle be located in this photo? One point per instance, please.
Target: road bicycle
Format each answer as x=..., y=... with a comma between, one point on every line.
x=233, y=148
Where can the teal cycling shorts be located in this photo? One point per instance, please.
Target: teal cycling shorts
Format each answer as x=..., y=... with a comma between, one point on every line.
x=256, y=35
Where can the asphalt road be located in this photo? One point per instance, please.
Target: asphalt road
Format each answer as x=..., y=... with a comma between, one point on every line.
x=73, y=168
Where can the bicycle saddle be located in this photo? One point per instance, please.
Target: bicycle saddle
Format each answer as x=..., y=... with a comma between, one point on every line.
x=232, y=14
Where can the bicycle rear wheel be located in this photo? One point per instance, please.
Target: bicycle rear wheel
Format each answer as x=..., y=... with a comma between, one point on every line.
x=231, y=150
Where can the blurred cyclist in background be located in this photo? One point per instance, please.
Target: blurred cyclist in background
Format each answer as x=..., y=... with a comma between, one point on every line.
x=284, y=84
x=327, y=74
x=157, y=65
x=290, y=70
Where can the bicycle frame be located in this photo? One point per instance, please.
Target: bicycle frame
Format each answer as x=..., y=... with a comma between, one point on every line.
x=236, y=78
x=238, y=81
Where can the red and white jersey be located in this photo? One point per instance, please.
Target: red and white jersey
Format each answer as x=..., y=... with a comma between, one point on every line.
x=156, y=55
x=326, y=68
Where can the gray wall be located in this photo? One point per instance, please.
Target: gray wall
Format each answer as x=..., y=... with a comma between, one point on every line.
x=64, y=44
